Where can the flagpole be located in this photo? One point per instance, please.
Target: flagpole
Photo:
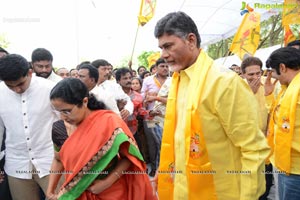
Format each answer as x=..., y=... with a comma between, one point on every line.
x=227, y=54
x=283, y=33
x=136, y=34
x=144, y=16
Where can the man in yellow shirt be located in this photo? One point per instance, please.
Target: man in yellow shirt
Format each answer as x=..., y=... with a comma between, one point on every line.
x=252, y=72
x=284, y=127
x=212, y=147
x=251, y=68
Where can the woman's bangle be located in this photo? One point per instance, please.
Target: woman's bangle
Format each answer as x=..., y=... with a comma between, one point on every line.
x=117, y=174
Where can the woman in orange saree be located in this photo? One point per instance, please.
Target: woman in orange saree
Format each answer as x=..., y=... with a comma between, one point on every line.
x=100, y=159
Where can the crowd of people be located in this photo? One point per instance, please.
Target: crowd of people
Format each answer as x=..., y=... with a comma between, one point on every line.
x=185, y=129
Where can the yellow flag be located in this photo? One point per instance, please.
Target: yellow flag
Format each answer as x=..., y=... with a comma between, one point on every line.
x=245, y=41
x=288, y=35
x=153, y=58
x=291, y=12
x=146, y=11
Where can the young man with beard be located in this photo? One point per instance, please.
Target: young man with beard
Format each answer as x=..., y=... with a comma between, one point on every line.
x=27, y=116
x=41, y=60
x=284, y=125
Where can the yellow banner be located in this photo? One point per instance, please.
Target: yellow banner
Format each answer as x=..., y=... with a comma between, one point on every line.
x=288, y=35
x=291, y=12
x=146, y=11
x=246, y=40
x=153, y=58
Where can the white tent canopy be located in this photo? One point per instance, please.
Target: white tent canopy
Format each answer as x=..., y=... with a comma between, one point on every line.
x=262, y=54
x=78, y=30
x=218, y=19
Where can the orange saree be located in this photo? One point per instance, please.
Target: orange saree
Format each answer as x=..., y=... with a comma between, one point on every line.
x=90, y=152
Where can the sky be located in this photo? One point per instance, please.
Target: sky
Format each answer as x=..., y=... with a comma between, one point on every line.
x=80, y=30
x=77, y=30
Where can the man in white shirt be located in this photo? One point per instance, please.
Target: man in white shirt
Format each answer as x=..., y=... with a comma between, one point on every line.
x=27, y=116
x=63, y=72
x=4, y=189
x=41, y=60
x=106, y=86
x=150, y=89
x=89, y=75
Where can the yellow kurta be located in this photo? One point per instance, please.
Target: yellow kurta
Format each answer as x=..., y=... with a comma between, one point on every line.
x=236, y=147
x=295, y=150
x=263, y=105
x=283, y=144
x=262, y=108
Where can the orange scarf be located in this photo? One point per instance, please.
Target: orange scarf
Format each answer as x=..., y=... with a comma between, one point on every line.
x=285, y=115
x=156, y=81
x=200, y=186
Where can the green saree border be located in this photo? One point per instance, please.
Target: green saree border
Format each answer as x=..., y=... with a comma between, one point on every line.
x=88, y=178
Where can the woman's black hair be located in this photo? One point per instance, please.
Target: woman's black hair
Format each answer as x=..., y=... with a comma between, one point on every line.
x=73, y=91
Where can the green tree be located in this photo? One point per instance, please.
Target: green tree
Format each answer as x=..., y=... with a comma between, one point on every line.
x=296, y=30
x=142, y=58
x=3, y=41
x=123, y=63
x=271, y=33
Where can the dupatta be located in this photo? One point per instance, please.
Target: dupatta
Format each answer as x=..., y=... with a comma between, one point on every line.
x=281, y=141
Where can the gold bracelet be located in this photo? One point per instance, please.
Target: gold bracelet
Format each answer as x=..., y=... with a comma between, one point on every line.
x=117, y=174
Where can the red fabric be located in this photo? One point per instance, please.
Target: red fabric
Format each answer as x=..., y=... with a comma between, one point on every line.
x=137, y=101
x=87, y=140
